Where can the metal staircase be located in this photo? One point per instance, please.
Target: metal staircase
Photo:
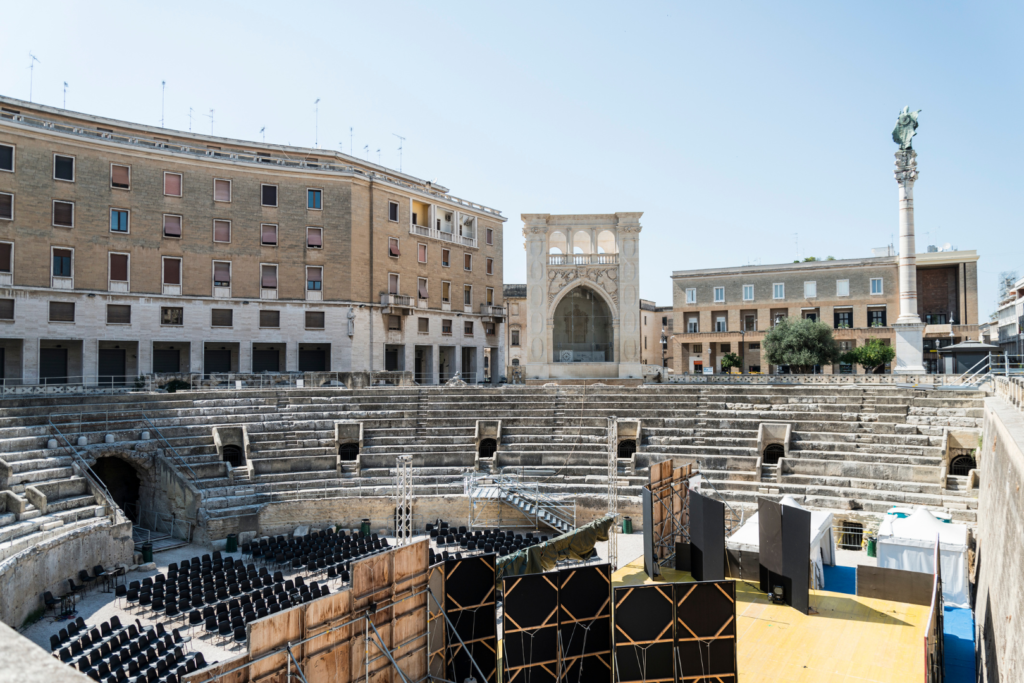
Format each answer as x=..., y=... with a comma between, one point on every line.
x=554, y=511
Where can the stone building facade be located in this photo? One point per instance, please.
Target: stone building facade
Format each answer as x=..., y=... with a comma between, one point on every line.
x=655, y=329
x=728, y=310
x=128, y=249
x=515, y=309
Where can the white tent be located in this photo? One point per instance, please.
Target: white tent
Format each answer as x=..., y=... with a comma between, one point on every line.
x=823, y=551
x=909, y=544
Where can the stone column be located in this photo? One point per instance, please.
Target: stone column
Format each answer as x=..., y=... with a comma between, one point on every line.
x=435, y=364
x=537, y=352
x=908, y=327
x=629, y=295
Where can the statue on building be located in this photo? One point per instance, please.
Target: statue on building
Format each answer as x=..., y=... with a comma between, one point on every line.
x=906, y=128
x=351, y=316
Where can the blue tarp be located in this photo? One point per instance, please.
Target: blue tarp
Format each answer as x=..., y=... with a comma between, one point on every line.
x=841, y=579
x=958, y=643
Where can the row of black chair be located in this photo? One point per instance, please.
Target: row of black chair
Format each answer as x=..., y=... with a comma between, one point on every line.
x=76, y=635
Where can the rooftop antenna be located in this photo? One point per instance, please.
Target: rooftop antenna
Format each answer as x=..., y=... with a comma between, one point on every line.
x=366, y=148
x=796, y=242
x=401, y=141
x=210, y=115
x=316, y=130
x=65, y=94
x=378, y=157
x=190, y=110
x=263, y=134
x=351, y=149
x=163, y=91
x=31, y=72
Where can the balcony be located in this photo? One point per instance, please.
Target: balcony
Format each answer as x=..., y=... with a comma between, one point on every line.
x=492, y=311
x=582, y=259
x=396, y=300
x=441, y=235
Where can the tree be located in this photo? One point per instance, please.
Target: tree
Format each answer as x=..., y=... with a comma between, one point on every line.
x=872, y=355
x=730, y=361
x=801, y=344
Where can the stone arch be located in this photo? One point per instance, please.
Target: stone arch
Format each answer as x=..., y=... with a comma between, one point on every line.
x=348, y=452
x=582, y=243
x=123, y=480
x=606, y=242
x=612, y=306
x=961, y=465
x=488, y=447
x=234, y=455
x=583, y=327
x=558, y=243
x=627, y=447
x=772, y=453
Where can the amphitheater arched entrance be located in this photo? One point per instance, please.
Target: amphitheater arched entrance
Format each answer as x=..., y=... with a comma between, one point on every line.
x=488, y=447
x=348, y=452
x=772, y=453
x=627, y=447
x=123, y=481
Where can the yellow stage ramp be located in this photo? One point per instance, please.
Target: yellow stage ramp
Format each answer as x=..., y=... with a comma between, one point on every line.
x=850, y=639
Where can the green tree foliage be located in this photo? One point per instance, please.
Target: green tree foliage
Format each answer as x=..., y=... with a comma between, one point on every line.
x=873, y=354
x=730, y=361
x=800, y=344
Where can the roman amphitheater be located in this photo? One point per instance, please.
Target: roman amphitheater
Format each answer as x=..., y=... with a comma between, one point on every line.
x=121, y=487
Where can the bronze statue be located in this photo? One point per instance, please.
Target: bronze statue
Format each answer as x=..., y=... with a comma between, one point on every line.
x=906, y=128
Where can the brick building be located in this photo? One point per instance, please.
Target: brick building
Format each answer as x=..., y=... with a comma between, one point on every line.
x=128, y=249
x=728, y=310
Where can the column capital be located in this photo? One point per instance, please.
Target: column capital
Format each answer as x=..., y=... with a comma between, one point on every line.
x=906, y=167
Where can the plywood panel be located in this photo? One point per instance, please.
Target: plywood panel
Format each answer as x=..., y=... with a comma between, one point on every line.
x=240, y=676
x=436, y=626
x=914, y=588
x=371, y=581
x=273, y=632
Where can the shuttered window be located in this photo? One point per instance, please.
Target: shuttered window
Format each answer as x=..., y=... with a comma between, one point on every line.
x=490, y=266
x=269, y=195
x=490, y=296
x=172, y=271
x=445, y=255
x=6, y=206
x=221, y=317
x=172, y=184
x=314, y=278
x=268, y=235
x=314, y=320
x=6, y=260
x=120, y=176
x=172, y=225
x=421, y=253
x=467, y=295
x=424, y=325
x=422, y=288
x=468, y=261
x=62, y=311
x=392, y=283
x=64, y=214
x=446, y=292
x=468, y=331
x=222, y=273
x=222, y=231
x=6, y=309
x=222, y=190
x=119, y=267
x=490, y=236
x=393, y=247
x=118, y=314
x=270, y=319
x=314, y=238
x=268, y=276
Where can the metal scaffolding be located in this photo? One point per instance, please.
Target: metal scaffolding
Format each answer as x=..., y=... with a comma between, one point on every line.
x=613, y=493
x=403, y=500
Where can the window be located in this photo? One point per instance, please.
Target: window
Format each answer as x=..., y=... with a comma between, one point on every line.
x=6, y=206
x=270, y=319
x=489, y=293
x=842, y=288
x=692, y=326
x=6, y=257
x=468, y=329
x=268, y=195
x=221, y=190
x=268, y=235
x=64, y=214
x=393, y=211
x=6, y=306
x=424, y=325
x=720, y=325
x=62, y=262
x=810, y=290
x=314, y=199
x=222, y=231
x=7, y=158
x=750, y=323
x=393, y=283
x=876, y=317
x=172, y=225
x=490, y=236
x=314, y=278
x=222, y=273
x=719, y=294
x=314, y=238
x=754, y=369
x=172, y=316
x=778, y=291
x=421, y=288
x=314, y=319
x=754, y=346
x=489, y=330
x=268, y=276
x=63, y=168
x=446, y=328
x=395, y=322
x=876, y=285
x=748, y=292
x=467, y=295
x=515, y=338
x=119, y=315
x=172, y=271
x=843, y=319
x=119, y=220
x=172, y=184
x=697, y=348
x=421, y=253
x=490, y=266
x=725, y=348
x=221, y=317
x=121, y=176
x=393, y=247
x=445, y=256
x=691, y=296
x=446, y=292
x=468, y=262
x=62, y=312
x=118, y=267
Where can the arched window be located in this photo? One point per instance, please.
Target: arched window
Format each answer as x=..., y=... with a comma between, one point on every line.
x=557, y=243
x=772, y=454
x=581, y=243
x=606, y=242
x=487, y=448
x=627, y=448
x=348, y=451
x=515, y=362
x=583, y=329
x=234, y=456
x=962, y=464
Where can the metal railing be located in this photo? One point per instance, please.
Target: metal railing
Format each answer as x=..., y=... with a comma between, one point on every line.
x=442, y=235
x=396, y=300
x=74, y=384
x=991, y=365
x=582, y=259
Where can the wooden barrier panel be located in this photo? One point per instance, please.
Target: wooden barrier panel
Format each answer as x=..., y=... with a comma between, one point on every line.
x=328, y=658
x=644, y=634
x=897, y=585
x=219, y=669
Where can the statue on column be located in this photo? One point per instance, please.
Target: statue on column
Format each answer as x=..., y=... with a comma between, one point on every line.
x=906, y=128
x=351, y=316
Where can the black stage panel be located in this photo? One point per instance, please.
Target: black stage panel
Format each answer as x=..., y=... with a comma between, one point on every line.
x=796, y=554
x=584, y=623
x=743, y=565
x=898, y=585
x=706, y=631
x=643, y=633
x=530, y=627
x=769, y=522
x=469, y=604
x=707, y=538
x=683, y=556
x=651, y=565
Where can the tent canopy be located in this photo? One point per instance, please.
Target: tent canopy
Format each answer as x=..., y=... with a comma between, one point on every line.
x=909, y=544
x=748, y=538
x=921, y=529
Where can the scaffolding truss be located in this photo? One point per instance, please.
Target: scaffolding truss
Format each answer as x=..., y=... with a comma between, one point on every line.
x=613, y=493
x=403, y=500
x=670, y=509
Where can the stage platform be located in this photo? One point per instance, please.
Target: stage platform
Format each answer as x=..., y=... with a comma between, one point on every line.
x=849, y=640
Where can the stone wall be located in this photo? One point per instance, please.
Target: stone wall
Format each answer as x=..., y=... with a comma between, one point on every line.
x=999, y=602
x=48, y=565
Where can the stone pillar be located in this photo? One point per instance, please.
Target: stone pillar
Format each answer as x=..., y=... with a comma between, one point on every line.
x=537, y=353
x=435, y=364
x=908, y=327
x=409, y=350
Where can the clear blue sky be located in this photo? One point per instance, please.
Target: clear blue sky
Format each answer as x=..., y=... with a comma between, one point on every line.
x=735, y=128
